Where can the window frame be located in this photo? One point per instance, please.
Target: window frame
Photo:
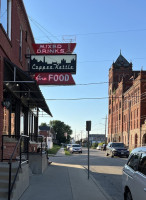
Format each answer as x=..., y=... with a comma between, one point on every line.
x=141, y=170
x=20, y=44
x=134, y=154
x=7, y=28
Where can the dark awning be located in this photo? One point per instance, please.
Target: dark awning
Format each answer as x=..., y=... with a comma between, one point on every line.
x=24, y=87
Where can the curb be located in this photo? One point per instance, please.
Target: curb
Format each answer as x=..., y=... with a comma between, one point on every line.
x=98, y=185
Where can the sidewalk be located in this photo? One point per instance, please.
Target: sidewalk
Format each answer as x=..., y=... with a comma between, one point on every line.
x=63, y=182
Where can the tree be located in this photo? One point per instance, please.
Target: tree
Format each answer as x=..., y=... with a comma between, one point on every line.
x=43, y=124
x=60, y=128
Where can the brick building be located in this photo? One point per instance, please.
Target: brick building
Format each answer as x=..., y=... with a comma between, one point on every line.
x=47, y=131
x=127, y=105
x=20, y=102
x=20, y=96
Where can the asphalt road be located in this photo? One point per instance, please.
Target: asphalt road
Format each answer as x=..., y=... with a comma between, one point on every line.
x=106, y=171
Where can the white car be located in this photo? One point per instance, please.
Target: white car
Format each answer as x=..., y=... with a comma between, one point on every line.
x=68, y=146
x=134, y=175
x=75, y=148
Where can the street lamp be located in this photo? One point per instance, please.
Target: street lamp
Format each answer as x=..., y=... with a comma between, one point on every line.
x=6, y=103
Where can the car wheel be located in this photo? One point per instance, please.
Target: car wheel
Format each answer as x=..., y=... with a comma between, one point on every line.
x=128, y=195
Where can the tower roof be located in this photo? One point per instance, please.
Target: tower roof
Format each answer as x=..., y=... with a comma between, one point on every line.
x=121, y=61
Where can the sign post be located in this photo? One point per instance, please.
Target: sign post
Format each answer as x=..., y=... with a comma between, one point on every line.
x=88, y=128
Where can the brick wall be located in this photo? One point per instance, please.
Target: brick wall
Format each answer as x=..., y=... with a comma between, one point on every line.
x=8, y=150
x=44, y=133
x=10, y=48
x=126, y=122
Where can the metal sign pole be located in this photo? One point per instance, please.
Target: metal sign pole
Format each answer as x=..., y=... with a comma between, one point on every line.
x=88, y=128
x=88, y=154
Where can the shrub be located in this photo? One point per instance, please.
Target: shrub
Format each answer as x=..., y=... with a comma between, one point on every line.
x=54, y=150
x=94, y=145
x=67, y=152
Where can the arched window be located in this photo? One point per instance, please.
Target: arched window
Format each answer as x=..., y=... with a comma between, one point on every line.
x=144, y=140
x=119, y=139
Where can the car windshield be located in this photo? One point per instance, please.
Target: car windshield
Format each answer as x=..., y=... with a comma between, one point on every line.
x=117, y=145
x=75, y=145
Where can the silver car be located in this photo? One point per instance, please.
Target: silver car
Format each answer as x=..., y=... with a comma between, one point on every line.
x=75, y=148
x=134, y=175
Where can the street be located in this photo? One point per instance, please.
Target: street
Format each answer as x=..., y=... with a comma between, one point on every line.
x=105, y=170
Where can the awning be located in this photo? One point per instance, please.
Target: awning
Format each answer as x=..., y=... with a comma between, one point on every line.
x=24, y=87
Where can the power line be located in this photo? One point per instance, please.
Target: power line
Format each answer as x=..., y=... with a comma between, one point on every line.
x=110, y=32
x=42, y=28
x=105, y=32
x=107, y=60
x=76, y=99
x=84, y=84
x=86, y=98
x=98, y=98
x=86, y=34
x=79, y=84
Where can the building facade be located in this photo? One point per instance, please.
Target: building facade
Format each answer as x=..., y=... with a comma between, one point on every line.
x=20, y=96
x=47, y=131
x=96, y=138
x=127, y=105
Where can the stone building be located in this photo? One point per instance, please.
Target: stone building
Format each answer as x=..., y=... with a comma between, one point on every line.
x=127, y=105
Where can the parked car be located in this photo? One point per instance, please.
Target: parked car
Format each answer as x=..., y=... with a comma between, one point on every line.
x=103, y=147
x=134, y=175
x=68, y=146
x=98, y=147
x=75, y=148
x=116, y=149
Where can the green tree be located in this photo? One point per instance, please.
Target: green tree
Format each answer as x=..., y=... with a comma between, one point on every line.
x=43, y=124
x=60, y=128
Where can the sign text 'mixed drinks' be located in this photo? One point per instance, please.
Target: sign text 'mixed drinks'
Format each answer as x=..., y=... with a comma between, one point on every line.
x=54, y=48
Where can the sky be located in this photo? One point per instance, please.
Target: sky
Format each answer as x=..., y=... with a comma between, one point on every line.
x=101, y=29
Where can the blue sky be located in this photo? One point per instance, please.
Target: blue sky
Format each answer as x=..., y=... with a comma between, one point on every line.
x=100, y=28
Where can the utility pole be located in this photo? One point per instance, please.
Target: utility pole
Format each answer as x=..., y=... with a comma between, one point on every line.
x=81, y=137
x=105, y=128
x=75, y=135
